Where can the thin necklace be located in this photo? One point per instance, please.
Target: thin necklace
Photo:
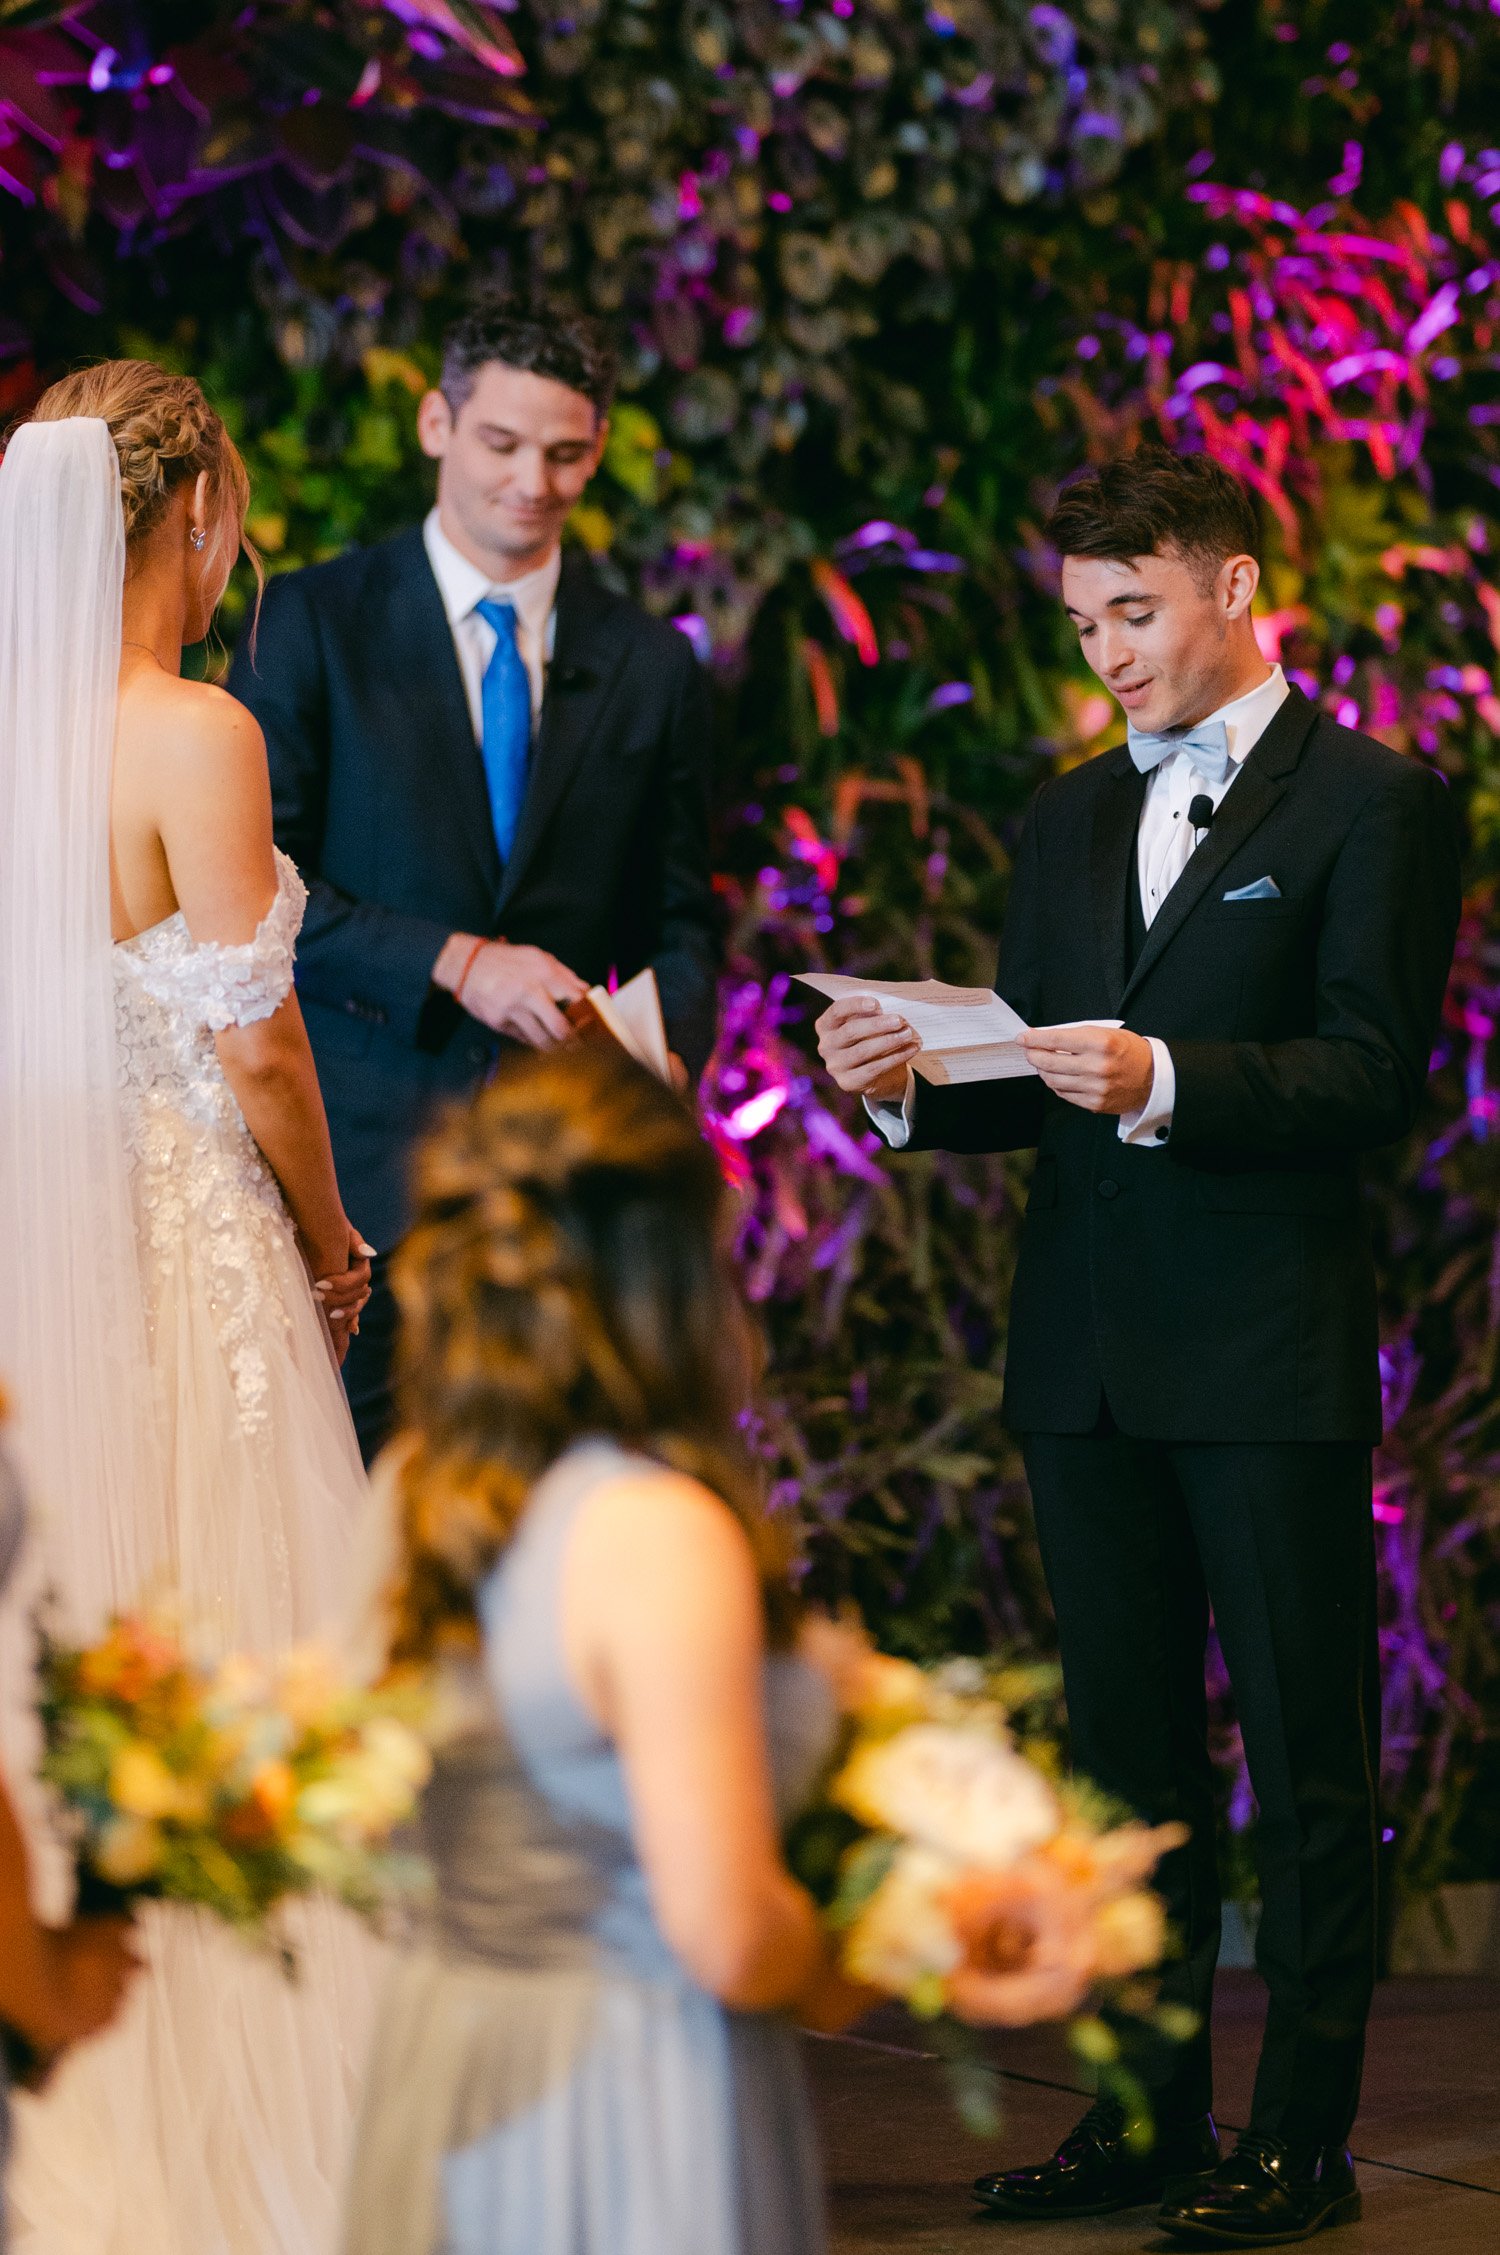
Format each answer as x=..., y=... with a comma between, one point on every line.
x=146, y=646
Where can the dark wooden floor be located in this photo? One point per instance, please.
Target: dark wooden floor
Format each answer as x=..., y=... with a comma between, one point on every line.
x=1427, y=2139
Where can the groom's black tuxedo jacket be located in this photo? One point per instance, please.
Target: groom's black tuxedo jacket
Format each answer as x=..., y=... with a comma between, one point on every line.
x=380, y=798
x=1219, y=1287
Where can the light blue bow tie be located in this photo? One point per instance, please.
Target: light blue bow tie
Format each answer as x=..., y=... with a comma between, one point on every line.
x=1207, y=746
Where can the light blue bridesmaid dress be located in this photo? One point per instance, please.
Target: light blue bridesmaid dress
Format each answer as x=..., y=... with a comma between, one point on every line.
x=546, y=2078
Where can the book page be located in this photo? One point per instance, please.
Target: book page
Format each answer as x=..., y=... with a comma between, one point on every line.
x=638, y=1006
x=631, y=1016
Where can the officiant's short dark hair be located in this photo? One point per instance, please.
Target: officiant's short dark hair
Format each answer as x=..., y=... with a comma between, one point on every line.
x=543, y=339
x=1153, y=500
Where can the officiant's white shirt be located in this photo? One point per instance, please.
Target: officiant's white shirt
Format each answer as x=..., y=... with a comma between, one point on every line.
x=1164, y=846
x=463, y=585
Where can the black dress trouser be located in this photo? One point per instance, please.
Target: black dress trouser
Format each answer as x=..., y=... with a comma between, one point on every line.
x=1139, y=1540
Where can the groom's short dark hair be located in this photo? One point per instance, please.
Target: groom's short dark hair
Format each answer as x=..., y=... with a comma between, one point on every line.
x=543, y=339
x=1153, y=500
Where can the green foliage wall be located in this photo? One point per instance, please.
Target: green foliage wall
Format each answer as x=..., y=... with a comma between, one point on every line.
x=885, y=272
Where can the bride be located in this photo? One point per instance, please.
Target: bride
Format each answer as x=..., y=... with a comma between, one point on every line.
x=167, y=1197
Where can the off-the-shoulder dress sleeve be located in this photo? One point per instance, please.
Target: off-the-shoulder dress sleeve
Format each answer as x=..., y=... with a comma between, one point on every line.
x=225, y=985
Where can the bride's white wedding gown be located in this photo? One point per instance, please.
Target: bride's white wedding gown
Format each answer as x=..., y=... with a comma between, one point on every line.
x=213, y=2119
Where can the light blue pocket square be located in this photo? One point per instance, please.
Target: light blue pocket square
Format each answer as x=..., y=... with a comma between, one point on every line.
x=1264, y=888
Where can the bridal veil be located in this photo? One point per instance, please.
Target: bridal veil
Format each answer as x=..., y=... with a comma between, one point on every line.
x=67, y=1235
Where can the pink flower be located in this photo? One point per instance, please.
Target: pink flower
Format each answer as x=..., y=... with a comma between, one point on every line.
x=1037, y=1936
x=1027, y=1943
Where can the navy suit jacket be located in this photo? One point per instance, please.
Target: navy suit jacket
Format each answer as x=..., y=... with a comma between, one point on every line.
x=379, y=797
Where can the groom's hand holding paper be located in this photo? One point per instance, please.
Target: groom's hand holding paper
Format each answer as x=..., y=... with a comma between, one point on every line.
x=867, y=1047
x=876, y=1031
x=1098, y=1066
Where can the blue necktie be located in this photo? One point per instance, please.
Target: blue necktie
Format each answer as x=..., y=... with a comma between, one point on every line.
x=505, y=706
x=1207, y=746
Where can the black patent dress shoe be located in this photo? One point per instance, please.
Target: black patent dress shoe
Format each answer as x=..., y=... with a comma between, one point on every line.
x=1265, y=2194
x=1094, y=2171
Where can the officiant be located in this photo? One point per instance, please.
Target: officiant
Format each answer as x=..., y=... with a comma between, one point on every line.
x=492, y=772
x=1268, y=901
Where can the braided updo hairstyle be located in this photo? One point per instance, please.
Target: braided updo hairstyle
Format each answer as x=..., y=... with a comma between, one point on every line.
x=165, y=434
x=565, y=1277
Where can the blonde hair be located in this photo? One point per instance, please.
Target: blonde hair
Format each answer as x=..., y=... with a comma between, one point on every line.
x=564, y=1277
x=166, y=435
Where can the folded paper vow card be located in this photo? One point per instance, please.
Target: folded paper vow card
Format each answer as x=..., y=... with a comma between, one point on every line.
x=967, y=1033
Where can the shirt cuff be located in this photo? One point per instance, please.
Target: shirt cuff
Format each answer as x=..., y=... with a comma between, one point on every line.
x=1153, y=1122
x=893, y=1121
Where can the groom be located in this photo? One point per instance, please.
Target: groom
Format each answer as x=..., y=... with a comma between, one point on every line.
x=492, y=773
x=1269, y=902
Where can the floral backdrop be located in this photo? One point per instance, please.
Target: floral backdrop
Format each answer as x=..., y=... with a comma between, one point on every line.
x=884, y=272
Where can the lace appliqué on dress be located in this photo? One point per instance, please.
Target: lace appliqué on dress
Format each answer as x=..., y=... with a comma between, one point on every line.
x=221, y=985
x=204, y=1194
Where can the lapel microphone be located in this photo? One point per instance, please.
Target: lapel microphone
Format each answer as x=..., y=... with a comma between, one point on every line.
x=1200, y=814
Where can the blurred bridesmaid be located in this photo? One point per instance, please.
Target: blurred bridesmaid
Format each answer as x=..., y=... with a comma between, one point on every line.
x=58, y=1984
x=592, y=2051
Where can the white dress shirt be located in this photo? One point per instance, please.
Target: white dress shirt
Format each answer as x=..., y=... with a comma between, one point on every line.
x=462, y=585
x=1164, y=846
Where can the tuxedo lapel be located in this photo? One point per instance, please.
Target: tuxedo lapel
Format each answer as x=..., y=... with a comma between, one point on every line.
x=1263, y=779
x=1117, y=818
x=417, y=653
x=589, y=649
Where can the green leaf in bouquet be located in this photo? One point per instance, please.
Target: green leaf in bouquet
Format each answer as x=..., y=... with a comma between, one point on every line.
x=1094, y=2041
x=81, y=1753
x=926, y=1998
x=972, y=2080
x=1088, y=1806
x=1131, y=2096
x=1024, y=1685
x=864, y=1868
x=816, y=1845
x=1177, y=2022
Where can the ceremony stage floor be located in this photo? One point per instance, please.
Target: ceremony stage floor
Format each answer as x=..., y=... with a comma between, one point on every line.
x=1427, y=2140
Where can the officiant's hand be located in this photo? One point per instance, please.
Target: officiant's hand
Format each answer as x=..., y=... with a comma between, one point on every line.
x=1098, y=1068
x=868, y=1052
x=512, y=990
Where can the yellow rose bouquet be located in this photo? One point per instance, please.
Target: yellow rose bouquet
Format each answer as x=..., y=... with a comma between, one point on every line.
x=229, y=1786
x=966, y=1876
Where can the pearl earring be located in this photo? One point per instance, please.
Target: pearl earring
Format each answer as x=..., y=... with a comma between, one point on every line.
x=198, y=537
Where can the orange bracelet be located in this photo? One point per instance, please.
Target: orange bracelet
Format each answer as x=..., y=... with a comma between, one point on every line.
x=469, y=962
